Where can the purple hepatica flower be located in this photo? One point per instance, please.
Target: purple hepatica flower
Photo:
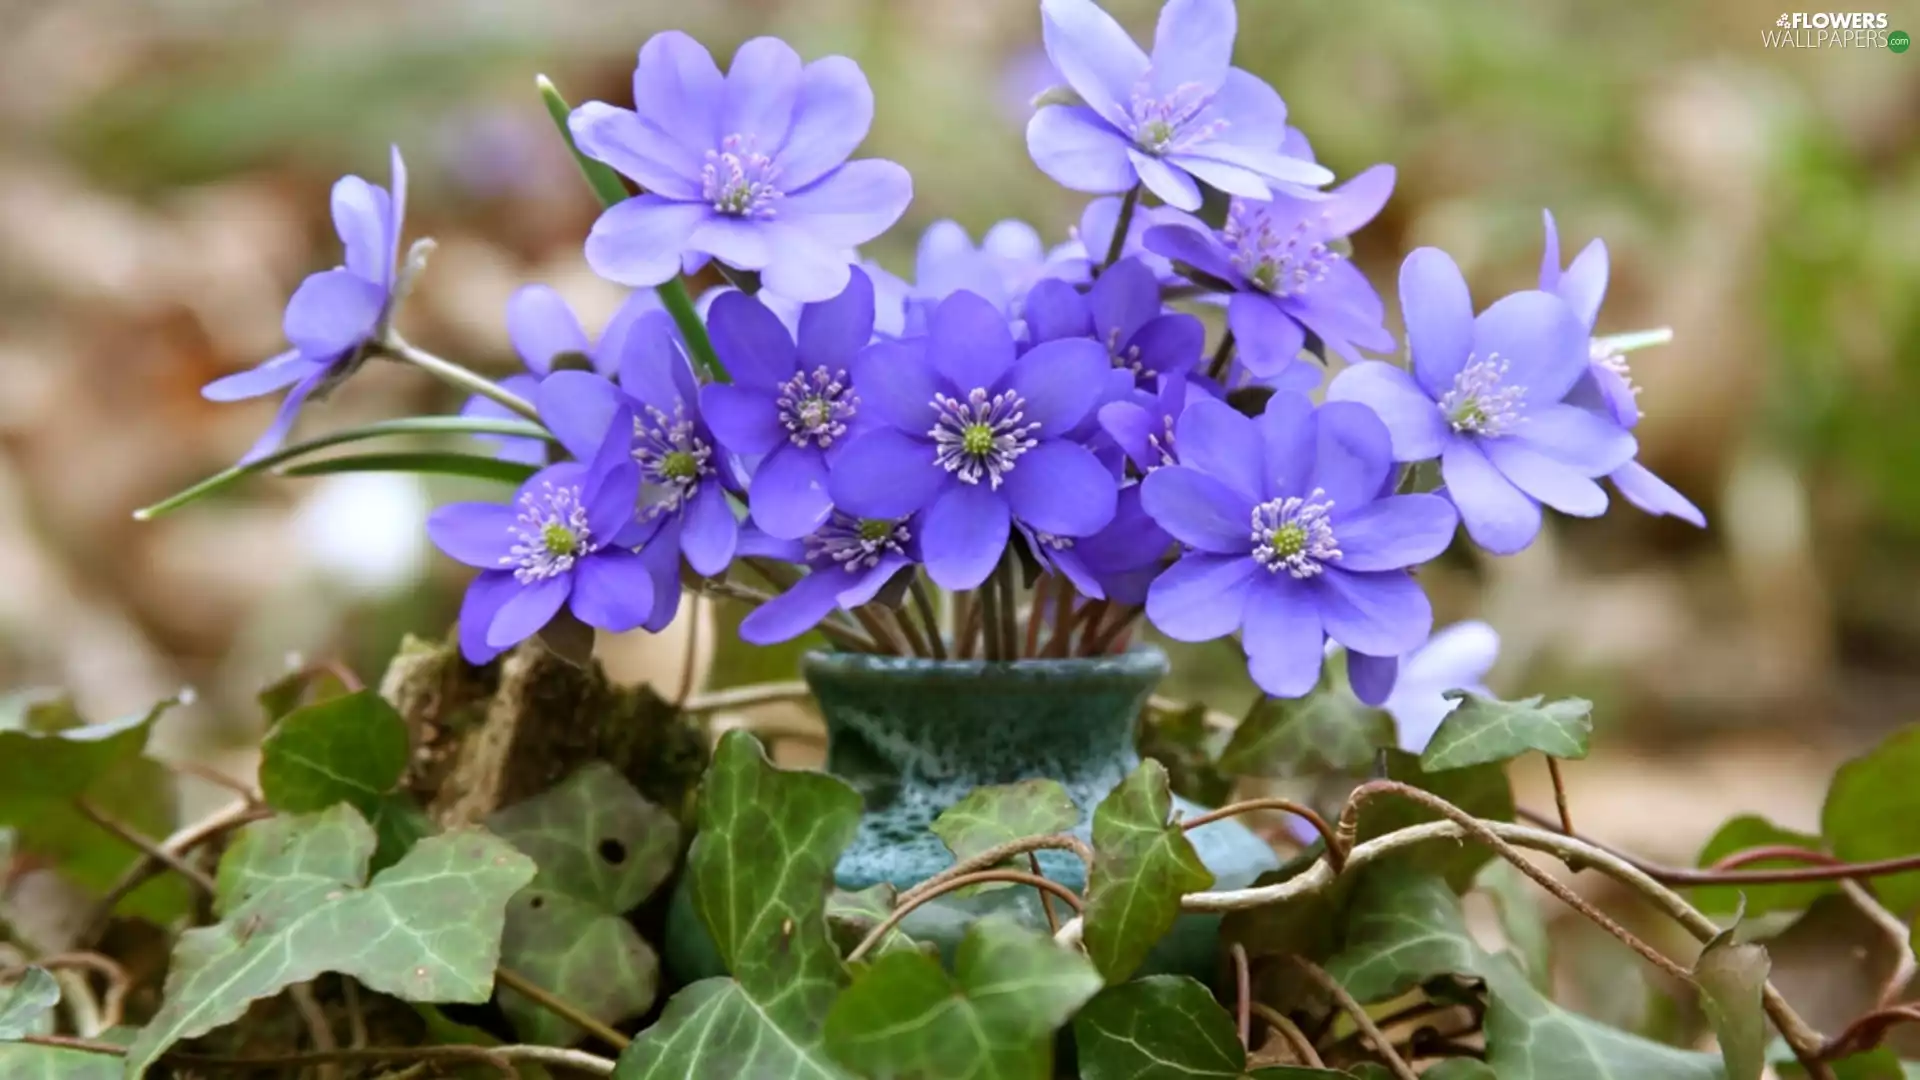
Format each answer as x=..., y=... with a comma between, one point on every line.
x=849, y=561
x=335, y=313
x=749, y=168
x=1118, y=562
x=1144, y=427
x=976, y=438
x=1286, y=280
x=1486, y=397
x=793, y=407
x=1009, y=259
x=1456, y=658
x=1181, y=115
x=548, y=337
x=1608, y=385
x=1291, y=541
x=1092, y=238
x=554, y=546
x=1123, y=312
x=684, y=478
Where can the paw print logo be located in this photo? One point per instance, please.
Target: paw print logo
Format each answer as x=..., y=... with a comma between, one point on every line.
x=1784, y=20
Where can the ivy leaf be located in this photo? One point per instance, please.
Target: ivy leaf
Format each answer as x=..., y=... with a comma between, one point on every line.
x=1404, y=927
x=759, y=873
x=350, y=749
x=995, y=815
x=1531, y=1038
x=1183, y=742
x=1484, y=729
x=991, y=816
x=1460, y=1068
x=297, y=903
x=49, y=758
x=1744, y=833
x=1870, y=809
x=992, y=1019
x=25, y=1004
x=851, y=916
x=1142, y=866
x=1163, y=1027
x=1329, y=730
x=1520, y=919
x=1731, y=977
x=29, y=1061
x=1880, y=1063
x=601, y=849
x=1480, y=790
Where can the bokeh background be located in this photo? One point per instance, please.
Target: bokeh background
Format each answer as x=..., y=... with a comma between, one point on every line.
x=164, y=168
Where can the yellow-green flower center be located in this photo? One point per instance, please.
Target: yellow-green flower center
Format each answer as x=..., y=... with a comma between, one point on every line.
x=874, y=529
x=1288, y=541
x=976, y=438
x=558, y=539
x=679, y=465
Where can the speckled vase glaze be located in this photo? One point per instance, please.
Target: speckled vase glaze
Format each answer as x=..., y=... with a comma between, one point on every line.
x=914, y=736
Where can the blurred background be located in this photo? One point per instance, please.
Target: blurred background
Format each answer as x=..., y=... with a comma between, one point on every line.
x=164, y=169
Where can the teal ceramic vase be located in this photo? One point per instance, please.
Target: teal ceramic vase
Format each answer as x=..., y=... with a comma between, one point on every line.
x=914, y=736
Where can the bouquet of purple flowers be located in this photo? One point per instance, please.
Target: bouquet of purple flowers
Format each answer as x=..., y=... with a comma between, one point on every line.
x=1024, y=451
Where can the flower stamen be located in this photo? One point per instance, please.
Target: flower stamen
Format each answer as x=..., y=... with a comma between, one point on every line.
x=739, y=181
x=550, y=533
x=981, y=436
x=1294, y=534
x=857, y=543
x=1170, y=123
x=815, y=407
x=1279, y=264
x=1480, y=403
x=673, y=459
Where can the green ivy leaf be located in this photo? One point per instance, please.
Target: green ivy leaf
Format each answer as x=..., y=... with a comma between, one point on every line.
x=1480, y=790
x=759, y=872
x=1163, y=1027
x=1870, y=810
x=27, y=1061
x=1744, y=833
x=1520, y=919
x=350, y=749
x=49, y=758
x=851, y=916
x=992, y=1019
x=1327, y=731
x=1531, y=1038
x=1484, y=729
x=1731, y=977
x=1142, y=866
x=1460, y=1069
x=601, y=849
x=297, y=903
x=1184, y=742
x=25, y=1005
x=991, y=816
x=1403, y=927
x=1406, y=927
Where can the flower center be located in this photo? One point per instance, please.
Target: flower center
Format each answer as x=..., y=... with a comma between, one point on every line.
x=816, y=407
x=1295, y=535
x=857, y=543
x=1480, y=403
x=740, y=181
x=981, y=436
x=673, y=459
x=1279, y=263
x=1170, y=123
x=550, y=534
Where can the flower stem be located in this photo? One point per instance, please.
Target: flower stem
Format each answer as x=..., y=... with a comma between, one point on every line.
x=989, y=605
x=1218, y=368
x=923, y=603
x=1009, y=608
x=610, y=189
x=1120, y=226
x=453, y=374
